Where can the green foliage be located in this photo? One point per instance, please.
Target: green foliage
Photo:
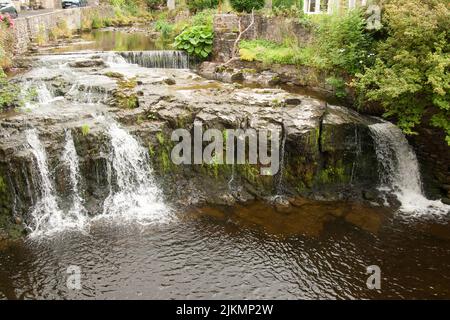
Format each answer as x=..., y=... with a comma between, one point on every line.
x=124, y=95
x=199, y=5
x=85, y=129
x=60, y=31
x=196, y=40
x=9, y=93
x=40, y=38
x=2, y=185
x=164, y=27
x=411, y=75
x=247, y=5
x=338, y=85
x=287, y=4
x=97, y=23
x=155, y=4
x=203, y=18
x=341, y=42
x=268, y=52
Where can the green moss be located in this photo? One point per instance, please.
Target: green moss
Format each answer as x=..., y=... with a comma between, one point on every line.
x=124, y=95
x=160, y=138
x=333, y=174
x=151, y=151
x=139, y=119
x=165, y=161
x=85, y=129
x=116, y=75
x=162, y=153
x=2, y=185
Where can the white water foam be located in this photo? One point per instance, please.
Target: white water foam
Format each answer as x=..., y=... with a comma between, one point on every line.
x=47, y=218
x=133, y=195
x=399, y=171
x=70, y=159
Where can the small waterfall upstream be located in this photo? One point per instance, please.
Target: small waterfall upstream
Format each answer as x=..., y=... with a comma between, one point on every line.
x=134, y=193
x=165, y=59
x=399, y=170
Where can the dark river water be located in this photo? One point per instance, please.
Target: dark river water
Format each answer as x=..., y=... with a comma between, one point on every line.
x=316, y=251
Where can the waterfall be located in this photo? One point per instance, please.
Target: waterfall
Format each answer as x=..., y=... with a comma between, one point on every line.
x=46, y=209
x=46, y=216
x=115, y=59
x=40, y=92
x=399, y=170
x=166, y=59
x=134, y=194
x=280, y=175
x=43, y=94
x=88, y=94
x=70, y=159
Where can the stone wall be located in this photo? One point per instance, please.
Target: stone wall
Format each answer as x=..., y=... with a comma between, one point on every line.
x=226, y=30
x=28, y=29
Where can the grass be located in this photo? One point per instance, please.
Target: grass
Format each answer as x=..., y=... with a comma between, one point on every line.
x=60, y=31
x=270, y=52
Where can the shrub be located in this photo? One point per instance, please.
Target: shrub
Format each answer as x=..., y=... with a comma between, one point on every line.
x=199, y=5
x=287, y=4
x=9, y=93
x=411, y=75
x=338, y=85
x=164, y=27
x=61, y=30
x=204, y=18
x=97, y=23
x=196, y=40
x=342, y=42
x=155, y=4
x=6, y=20
x=247, y=5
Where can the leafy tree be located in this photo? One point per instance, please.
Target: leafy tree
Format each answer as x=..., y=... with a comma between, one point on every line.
x=247, y=5
x=341, y=42
x=411, y=75
x=199, y=5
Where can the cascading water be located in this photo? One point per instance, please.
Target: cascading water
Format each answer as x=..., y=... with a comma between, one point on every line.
x=42, y=95
x=280, y=175
x=47, y=218
x=399, y=170
x=158, y=59
x=134, y=194
x=115, y=59
x=70, y=159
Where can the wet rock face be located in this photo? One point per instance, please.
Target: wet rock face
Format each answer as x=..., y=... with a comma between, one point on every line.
x=327, y=152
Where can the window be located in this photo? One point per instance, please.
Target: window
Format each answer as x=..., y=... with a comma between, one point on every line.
x=316, y=6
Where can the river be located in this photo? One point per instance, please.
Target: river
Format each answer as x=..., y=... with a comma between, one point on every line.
x=316, y=250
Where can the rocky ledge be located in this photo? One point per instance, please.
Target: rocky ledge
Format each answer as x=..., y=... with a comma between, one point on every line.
x=327, y=150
